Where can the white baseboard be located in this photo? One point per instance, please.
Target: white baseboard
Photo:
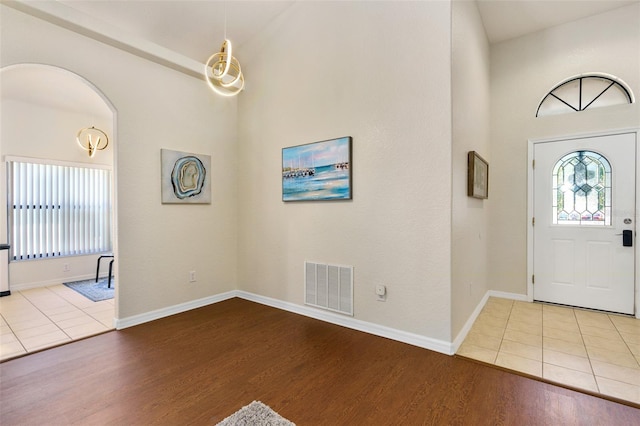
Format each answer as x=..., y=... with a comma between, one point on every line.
x=349, y=322
x=505, y=295
x=172, y=310
x=367, y=327
x=326, y=316
x=39, y=284
x=467, y=325
x=474, y=315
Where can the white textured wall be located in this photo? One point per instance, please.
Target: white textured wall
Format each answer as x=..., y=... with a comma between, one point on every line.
x=379, y=72
x=523, y=70
x=470, y=216
x=156, y=108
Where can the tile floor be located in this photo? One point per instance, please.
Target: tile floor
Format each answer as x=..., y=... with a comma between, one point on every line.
x=595, y=351
x=39, y=318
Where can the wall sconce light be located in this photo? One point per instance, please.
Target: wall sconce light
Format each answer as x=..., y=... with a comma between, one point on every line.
x=92, y=140
x=223, y=72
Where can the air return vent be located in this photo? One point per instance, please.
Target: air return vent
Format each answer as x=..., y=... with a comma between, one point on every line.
x=329, y=287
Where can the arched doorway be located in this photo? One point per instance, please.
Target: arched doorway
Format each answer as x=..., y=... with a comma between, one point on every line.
x=43, y=108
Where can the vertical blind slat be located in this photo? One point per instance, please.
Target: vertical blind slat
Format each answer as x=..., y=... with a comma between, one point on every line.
x=22, y=193
x=54, y=213
x=59, y=210
x=30, y=213
x=40, y=198
x=75, y=219
x=87, y=210
x=28, y=230
x=47, y=211
x=66, y=214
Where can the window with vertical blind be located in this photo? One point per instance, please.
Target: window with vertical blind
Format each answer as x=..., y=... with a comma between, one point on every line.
x=58, y=210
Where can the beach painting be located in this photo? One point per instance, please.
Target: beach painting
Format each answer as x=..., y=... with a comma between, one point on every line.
x=317, y=171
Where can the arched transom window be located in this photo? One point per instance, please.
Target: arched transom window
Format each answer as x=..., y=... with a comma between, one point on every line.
x=582, y=189
x=584, y=91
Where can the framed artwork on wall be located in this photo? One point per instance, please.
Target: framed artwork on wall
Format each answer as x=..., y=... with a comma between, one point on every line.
x=477, y=176
x=185, y=177
x=317, y=171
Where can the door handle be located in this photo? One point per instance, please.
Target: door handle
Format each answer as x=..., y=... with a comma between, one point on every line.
x=627, y=238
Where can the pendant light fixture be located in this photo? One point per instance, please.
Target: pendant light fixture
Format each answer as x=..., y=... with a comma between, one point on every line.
x=222, y=70
x=92, y=140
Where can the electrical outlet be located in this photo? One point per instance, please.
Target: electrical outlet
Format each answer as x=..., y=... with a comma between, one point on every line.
x=66, y=267
x=192, y=276
x=381, y=292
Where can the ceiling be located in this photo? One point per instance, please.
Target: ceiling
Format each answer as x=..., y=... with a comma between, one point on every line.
x=507, y=19
x=195, y=29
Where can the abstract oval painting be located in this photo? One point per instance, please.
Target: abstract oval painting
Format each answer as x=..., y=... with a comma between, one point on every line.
x=185, y=177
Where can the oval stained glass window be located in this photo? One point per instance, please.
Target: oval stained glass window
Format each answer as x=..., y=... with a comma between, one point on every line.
x=582, y=190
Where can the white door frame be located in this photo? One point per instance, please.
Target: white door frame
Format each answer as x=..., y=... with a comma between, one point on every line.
x=530, y=195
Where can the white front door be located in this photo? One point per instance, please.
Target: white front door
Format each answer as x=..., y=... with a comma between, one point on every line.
x=584, y=200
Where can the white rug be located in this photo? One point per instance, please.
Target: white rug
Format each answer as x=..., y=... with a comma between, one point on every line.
x=255, y=414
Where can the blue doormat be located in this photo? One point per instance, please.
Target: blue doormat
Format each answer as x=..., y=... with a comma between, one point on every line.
x=93, y=290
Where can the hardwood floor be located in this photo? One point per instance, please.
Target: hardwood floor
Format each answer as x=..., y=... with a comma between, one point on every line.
x=201, y=366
